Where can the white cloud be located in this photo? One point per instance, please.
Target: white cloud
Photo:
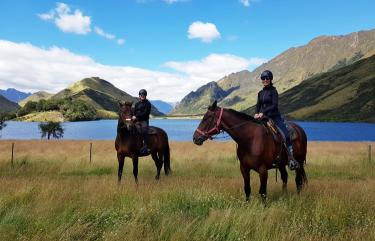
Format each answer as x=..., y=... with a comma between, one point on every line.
x=30, y=68
x=75, y=22
x=207, y=32
x=101, y=32
x=246, y=3
x=67, y=21
x=214, y=66
x=174, y=1
x=120, y=41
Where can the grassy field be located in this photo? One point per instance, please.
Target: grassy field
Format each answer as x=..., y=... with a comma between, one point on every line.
x=54, y=193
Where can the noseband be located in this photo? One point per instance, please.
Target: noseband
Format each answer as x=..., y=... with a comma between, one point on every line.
x=214, y=130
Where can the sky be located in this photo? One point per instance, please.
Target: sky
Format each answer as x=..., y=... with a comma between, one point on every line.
x=169, y=47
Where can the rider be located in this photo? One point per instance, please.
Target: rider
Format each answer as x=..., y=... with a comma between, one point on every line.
x=267, y=105
x=142, y=111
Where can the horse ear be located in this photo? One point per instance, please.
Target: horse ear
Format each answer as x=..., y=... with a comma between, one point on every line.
x=213, y=106
x=120, y=103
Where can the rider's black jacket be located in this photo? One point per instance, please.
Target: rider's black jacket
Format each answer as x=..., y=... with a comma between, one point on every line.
x=267, y=103
x=142, y=110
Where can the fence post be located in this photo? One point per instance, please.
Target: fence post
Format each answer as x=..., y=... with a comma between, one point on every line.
x=11, y=161
x=90, y=151
x=369, y=153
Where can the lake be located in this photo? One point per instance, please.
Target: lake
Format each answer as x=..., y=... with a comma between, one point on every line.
x=183, y=129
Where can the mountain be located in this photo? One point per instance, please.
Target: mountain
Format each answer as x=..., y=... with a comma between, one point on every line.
x=345, y=94
x=14, y=95
x=100, y=94
x=40, y=95
x=290, y=68
x=196, y=102
x=7, y=105
x=162, y=106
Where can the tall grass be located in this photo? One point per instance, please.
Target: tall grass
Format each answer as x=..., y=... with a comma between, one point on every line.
x=54, y=193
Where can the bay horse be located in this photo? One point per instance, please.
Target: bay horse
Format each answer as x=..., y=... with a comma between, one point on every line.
x=129, y=142
x=257, y=148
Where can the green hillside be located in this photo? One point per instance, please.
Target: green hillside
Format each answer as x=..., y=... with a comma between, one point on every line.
x=88, y=99
x=345, y=94
x=99, y=93
x=7, y=105
x=290, y=68
x=40, y=95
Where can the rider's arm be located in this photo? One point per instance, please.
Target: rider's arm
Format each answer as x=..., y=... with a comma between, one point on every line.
x=257, y=107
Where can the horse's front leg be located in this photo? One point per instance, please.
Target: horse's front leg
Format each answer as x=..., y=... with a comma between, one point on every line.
x=135, y=168
x=121, y=160
x=246, y=181
x=263, y=176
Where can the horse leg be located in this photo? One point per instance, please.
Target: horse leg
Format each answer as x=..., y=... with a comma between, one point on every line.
x=263, y=176
x=135, y=168
x=300, y=178
x=158, y=165
x=121, y=160
x=284, y=176
x=246, y=180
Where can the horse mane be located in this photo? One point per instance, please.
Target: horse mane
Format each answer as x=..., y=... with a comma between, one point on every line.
x=244, y=116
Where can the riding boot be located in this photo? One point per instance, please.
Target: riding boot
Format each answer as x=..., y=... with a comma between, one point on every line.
x=145, y=150
x=292, y=163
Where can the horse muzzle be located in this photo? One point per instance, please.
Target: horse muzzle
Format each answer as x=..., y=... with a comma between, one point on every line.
x=199, y=140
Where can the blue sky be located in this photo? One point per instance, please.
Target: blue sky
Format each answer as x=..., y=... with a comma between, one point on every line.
x=167, y=46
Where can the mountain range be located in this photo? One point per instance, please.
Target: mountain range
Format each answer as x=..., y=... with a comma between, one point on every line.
x=290, y=68
x=7, y=105
x=14, y=95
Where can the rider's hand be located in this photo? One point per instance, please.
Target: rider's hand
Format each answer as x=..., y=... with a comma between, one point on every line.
x=260, y=115
x=256, y=116
x=133, y=118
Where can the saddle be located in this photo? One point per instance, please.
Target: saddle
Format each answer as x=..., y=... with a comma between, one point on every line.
x=277, y=134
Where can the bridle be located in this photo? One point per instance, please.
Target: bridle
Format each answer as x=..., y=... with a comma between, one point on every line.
x=214, y=130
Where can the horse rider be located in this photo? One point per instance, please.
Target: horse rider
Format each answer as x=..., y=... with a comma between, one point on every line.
x=141, y=116
x=267, y=106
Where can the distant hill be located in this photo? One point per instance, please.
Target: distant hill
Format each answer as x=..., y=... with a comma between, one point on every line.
x=14, y=95
x=196, y=102
x=162, y=106
x=40, y=95
x=7, y=105
x=101, y=94
x=345, y=94
x=290, y=68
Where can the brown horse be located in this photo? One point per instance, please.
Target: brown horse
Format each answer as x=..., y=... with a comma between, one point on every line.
x=257, y=148
x=128, y=143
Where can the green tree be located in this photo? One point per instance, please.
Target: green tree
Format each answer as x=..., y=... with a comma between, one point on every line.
x=51, y=128
x=2, y=122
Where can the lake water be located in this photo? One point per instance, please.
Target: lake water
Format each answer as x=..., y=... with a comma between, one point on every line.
x=183, y=129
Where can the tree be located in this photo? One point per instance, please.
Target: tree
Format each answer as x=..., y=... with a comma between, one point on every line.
x=2, y=122
x=51, y=128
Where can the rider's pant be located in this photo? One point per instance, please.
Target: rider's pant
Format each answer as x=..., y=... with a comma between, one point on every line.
x=279, y=122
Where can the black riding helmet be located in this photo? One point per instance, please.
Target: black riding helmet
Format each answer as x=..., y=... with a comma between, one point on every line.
x=266, y=75
x=143, y=92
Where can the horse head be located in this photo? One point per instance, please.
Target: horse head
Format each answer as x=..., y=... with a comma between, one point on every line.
x=210, y=124
x=125, y=114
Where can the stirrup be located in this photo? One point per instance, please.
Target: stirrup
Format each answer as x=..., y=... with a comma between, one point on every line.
x=293, y=164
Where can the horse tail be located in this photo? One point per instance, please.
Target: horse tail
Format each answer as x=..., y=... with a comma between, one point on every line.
x=167, y=160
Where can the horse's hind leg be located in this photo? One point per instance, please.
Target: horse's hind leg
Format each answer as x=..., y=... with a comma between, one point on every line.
x=135, y=168
x=121, y=160
x=284, y=176
x=301, y=178
x=158, y=164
